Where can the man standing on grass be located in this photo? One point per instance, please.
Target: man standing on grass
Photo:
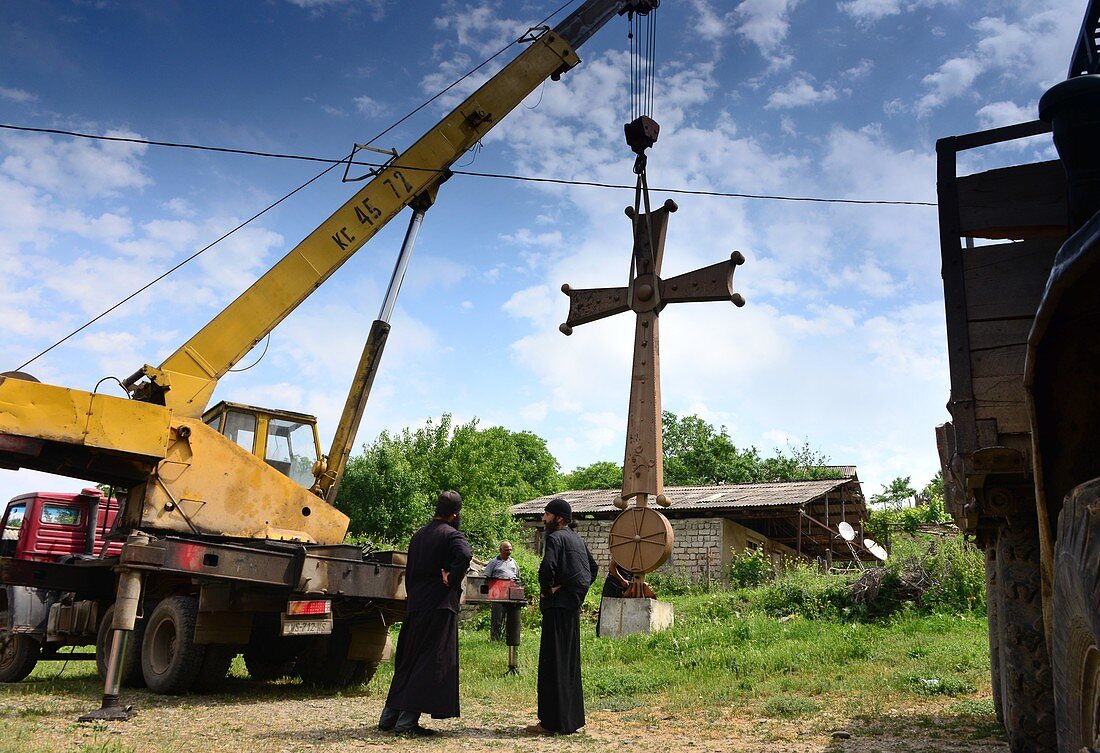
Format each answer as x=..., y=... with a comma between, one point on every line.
x=425, y=667
x=566, y=572
x=502, y=567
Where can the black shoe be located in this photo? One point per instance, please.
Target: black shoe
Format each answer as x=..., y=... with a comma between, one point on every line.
x=385, y=728
x=416, y=730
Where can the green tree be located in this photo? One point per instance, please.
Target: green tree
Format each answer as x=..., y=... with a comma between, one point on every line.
x=894, y=494
x=696, y=453
x=603, y=474
x=390, y=489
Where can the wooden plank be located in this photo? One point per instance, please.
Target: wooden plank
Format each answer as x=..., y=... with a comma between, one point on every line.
x=1011, y=416
x=999, y=333
x=994, y=362
x=999, y=389
x=961, y=403
x=1007, y=280
x=1023, y=201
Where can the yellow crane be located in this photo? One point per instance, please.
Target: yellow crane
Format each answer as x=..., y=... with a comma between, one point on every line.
x=183, y=474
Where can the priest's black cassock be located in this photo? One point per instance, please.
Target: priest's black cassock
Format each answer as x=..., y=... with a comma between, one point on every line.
x=566, y=562
x=425, y=667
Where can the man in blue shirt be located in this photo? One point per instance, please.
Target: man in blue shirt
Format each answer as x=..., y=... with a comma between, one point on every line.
x=502, y=567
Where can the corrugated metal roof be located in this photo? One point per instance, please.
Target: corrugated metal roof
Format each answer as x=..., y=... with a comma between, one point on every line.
x=686, y=498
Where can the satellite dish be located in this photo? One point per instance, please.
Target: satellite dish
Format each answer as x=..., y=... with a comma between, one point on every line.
x=875, y=548
x=846, y=531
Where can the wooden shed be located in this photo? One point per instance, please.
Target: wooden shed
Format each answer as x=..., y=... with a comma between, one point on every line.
x=710, y=523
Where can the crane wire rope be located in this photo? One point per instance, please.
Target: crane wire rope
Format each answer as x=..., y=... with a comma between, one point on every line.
x=276, y=203
x=476, y=174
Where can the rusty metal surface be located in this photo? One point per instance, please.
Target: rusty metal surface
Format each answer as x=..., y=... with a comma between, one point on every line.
x=714, y=497
x=647, y=294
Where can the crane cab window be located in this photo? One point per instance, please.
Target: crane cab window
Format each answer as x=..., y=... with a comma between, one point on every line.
x=241, y=428
x=61, y=515
x=291, y=449
x=14, y=521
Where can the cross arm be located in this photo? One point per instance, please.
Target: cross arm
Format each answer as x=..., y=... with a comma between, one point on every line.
x=713, y=283
x=589, y=304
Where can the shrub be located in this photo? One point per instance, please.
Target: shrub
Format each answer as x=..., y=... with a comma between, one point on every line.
x=805, y=592
x=750, y=568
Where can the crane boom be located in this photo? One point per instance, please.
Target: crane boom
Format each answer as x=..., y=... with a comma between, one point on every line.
x=185, y=381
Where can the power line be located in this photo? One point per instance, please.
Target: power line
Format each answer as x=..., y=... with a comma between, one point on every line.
x=467, y=173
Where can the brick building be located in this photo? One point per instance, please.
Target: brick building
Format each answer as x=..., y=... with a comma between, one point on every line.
x=710, y=523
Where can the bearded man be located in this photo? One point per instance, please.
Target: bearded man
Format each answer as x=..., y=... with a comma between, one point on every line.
x=566, y=572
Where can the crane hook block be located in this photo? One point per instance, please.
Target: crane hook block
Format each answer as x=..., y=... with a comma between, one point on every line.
x=641, y=133
x=641, y=7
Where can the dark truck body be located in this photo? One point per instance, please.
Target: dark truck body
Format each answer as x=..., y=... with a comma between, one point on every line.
x=991, y=294
x=1019, y=456
x=319, y=611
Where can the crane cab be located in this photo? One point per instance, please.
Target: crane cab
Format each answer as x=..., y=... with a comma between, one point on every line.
x=285, y=440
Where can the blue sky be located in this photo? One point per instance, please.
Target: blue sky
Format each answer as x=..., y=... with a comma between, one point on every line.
x=841, y=344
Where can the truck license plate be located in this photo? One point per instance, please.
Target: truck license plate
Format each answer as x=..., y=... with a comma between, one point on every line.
x=306, y=627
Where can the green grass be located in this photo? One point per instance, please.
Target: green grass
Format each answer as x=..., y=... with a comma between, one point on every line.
x=721, y=657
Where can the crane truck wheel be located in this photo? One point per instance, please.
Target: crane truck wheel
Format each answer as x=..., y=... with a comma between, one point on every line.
x=131, y=663
x=18, y=655
x=170, y=659
x=1027, y=694
x=1076, y=620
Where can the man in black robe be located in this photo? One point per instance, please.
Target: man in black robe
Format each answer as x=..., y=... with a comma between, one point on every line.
x=425, y=667
x=566, y=572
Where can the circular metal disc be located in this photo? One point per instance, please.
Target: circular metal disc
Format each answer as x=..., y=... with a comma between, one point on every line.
x=640, y=539
x=846, y=531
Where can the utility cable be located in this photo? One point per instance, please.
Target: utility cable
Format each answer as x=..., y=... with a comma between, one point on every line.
x=470, y=173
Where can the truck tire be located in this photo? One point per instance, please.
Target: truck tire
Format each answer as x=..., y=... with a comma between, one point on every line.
x=1076, y=621
x=131, y=662
x=325, y=664
x=18, y=655
x=1027, y=690
x=170, y=658
x=992, y=603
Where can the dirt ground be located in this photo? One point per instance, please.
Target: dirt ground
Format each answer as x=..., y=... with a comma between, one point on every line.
x=270, y=718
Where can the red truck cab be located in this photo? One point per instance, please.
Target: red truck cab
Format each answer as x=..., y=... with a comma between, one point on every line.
x=48, y=526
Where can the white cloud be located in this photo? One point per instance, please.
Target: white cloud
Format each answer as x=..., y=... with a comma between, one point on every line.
x=870, y=10
x=17, y=95
x=799, y=92
x=482, y=26
x=525, y=237
x=859, y=71
x=75, y=168
x=766, y=23
x=954, y=77
x=180, y=207
x=710, y=25
x=370, y=107
x=997, y=114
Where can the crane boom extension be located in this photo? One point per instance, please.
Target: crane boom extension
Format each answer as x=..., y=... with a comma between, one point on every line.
x=186, y=380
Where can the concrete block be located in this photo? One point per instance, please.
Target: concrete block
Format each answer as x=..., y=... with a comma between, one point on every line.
x=622, y=617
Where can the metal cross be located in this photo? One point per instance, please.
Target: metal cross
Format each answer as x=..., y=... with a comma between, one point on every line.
x=647, y=294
